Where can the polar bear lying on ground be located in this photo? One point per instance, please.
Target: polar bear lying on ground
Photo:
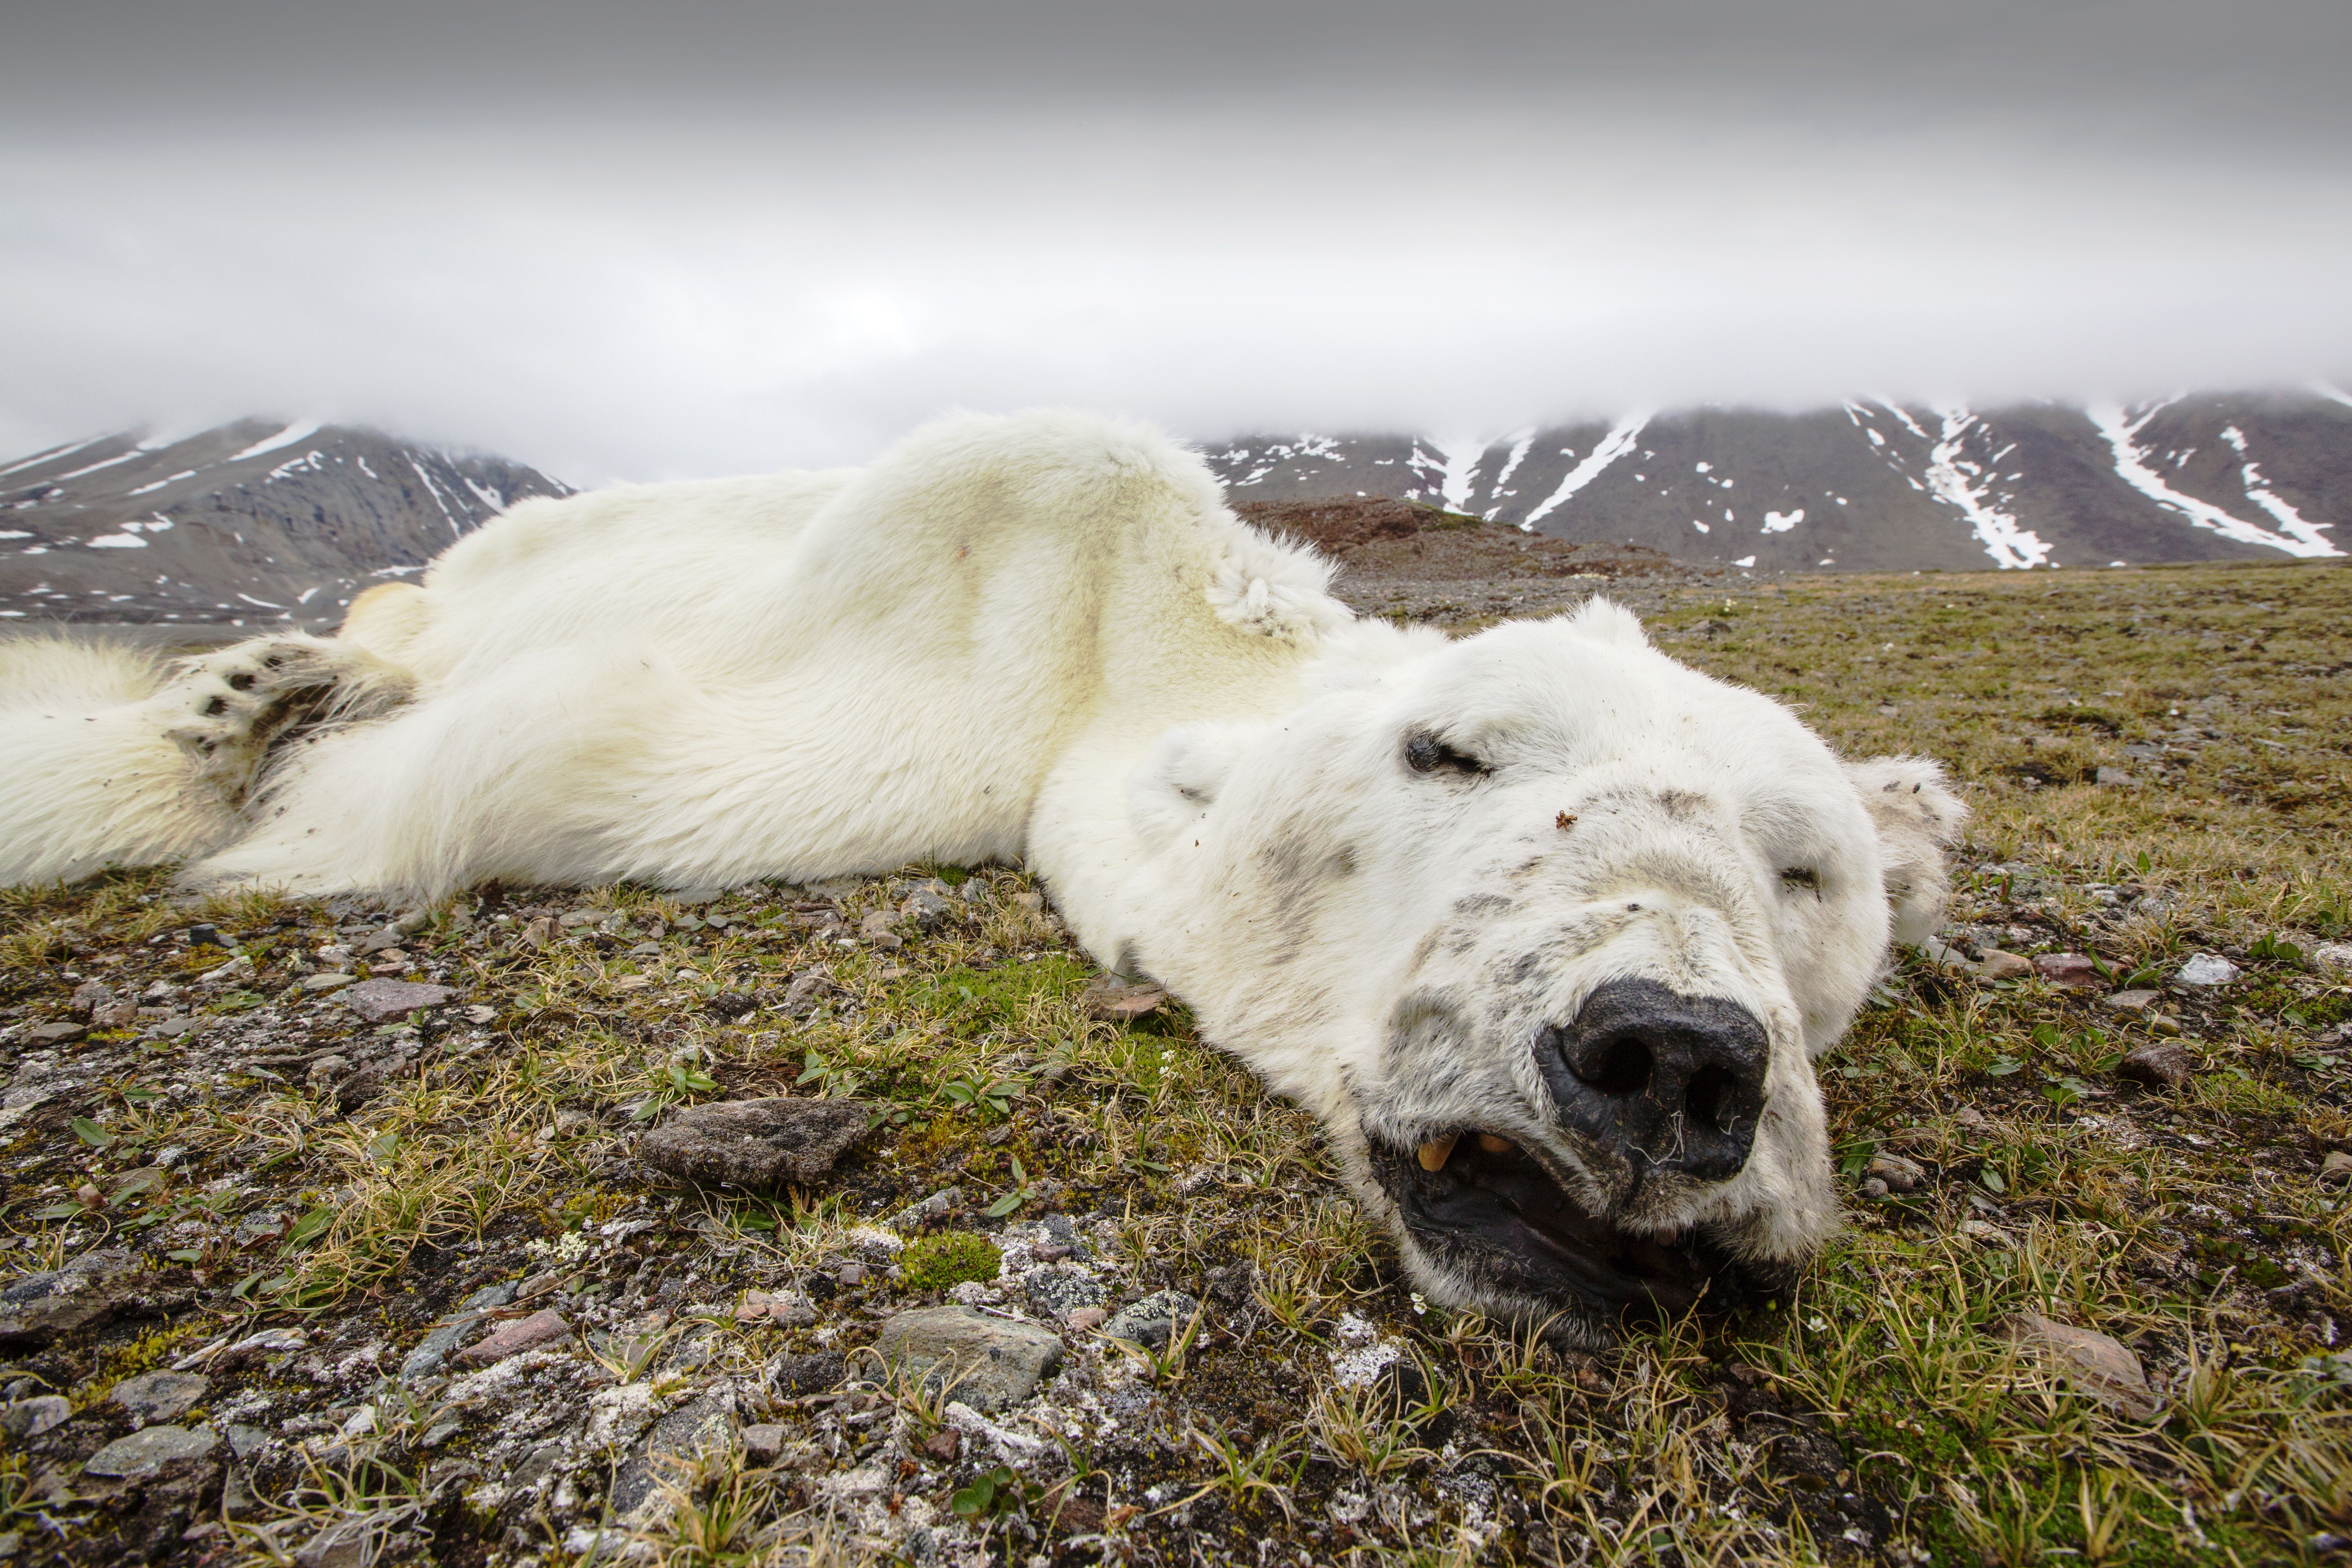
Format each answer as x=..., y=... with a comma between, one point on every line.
x=1546, y=928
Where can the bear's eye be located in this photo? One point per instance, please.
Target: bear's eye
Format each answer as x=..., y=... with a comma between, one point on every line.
x=1425, y=753
x=1804, y=878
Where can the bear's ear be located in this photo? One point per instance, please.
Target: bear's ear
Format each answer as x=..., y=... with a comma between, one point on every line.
x=1173, y=787
x=1602, y=621
x=1917, y=818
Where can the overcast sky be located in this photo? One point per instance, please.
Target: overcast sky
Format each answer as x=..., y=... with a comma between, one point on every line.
x=643, y=242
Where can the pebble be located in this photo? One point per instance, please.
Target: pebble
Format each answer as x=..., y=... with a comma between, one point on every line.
x=31, y=1417
x=2159, y=1064
x=818, y=1372
x=1873, y=1188
x=993, y=1363
x=432, y=1353
x=1900, y=1175
x=544, y=1327
x=2097, y=1364
x=2336, y=1169
x=2131, y=1001
x=875, y=930
x=389, y=1001
x=149, y=1449
x=1154, y=1319
x=2000, y=965
x=756, y=1143
x=2207, y=969
x=1110, y=1000
x=763, y=1442
x=2333, y=959
x=2073, y=970
x=927, y=907
x=1084, y=1319
x=332, y=980
x=161, y=1396
x=2115, y=778
x=939, y=1205
x=58, y=1034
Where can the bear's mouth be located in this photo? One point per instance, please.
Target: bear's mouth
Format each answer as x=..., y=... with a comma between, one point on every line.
x=1492, y=1215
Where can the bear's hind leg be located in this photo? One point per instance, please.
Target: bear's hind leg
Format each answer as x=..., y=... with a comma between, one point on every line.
x=236, y=705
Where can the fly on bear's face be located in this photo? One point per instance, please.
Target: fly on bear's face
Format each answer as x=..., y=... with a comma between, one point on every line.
x=1549, y=928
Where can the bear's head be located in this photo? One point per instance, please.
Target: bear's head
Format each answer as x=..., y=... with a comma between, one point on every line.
x=1549, y=928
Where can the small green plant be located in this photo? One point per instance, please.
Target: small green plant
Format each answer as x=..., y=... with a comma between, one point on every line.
x=999, y=1491
x=936, y=1262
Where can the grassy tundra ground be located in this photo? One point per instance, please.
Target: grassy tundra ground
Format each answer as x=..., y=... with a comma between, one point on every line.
x=303, y=1194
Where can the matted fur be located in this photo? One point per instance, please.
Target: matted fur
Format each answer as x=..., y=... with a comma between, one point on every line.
x=1046, y=636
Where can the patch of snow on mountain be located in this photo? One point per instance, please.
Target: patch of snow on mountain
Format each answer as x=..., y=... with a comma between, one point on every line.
x=300, y=430
x=1519, y=442
x=2122, y=431
x=1460, y=475
x=2258, y=490
x=1782, y=521
x=54, y=453
x=1612, y=447
x=456, y=529
x=1960, y=485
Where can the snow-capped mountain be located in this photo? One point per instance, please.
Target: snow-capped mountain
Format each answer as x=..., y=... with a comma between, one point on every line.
x=1874, y=486
x=253, y=523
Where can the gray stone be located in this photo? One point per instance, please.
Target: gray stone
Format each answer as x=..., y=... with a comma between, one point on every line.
x=755, y=1142
x=544, y=1327
x=1054, y=1292
x=2336, y=1169
x=1901, y=1175
x=2000, y=965
x=818, y=1372
x=389, y=1000
x=875, y=930
x=763, y=1443
x=1114, y=1001
x=701, y=1424
x=1153, y=1321
x=149, y=1449
x=2132, y=1000
x=2074, y=971
x=927, y=907
x=31, y=1417
x=58, y=1034
x=332, y=980
x=2207, y=969
x=39, y=1307
x=432, y=1353
x=2333, y=959
x=990, y=1363
x=2115, y=778
x=915, y=1216
x=160, y=1395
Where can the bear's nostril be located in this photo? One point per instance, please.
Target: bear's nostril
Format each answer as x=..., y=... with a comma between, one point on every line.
x=1712, y=1098
x=1622, y=1066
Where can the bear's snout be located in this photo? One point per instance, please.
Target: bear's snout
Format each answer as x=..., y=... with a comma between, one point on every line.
x=1664, y=1081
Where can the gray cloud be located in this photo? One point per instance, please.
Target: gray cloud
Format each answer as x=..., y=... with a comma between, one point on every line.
x=617, y=242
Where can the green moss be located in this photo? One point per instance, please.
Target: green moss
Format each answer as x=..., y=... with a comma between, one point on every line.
x=937, y=1262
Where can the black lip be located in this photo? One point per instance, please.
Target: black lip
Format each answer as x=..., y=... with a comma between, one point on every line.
x=1503, y=1220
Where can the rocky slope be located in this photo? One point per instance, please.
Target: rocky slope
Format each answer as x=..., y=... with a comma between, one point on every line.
x=1874, y=486
x=254, y=523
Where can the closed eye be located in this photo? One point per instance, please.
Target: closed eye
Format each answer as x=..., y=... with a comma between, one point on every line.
x=1805, y=878
x=1425, y=753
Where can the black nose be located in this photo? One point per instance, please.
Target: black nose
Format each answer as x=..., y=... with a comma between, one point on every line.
x=1670, y=1082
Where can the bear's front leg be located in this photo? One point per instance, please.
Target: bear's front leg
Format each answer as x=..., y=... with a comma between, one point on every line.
x=226, y=710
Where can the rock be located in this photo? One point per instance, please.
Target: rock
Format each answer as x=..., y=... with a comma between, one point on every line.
x=944, y=1446
x=1998, y=965
x=2073, y=970
x=332, y=980
x=1112, y=1000
x=121, y=1014
x=160, y=1395
x=698, y=1425
x=31, y=1417
x=2131, y=1001
x=389, y=1001
x=1153, y=1321
x=2115, y=778
x=2098, y=1365
x=763, y=1443
x=63, y=1033
x=927, y=907
x=327, y=1069
x=939, y=1205
x=149, y=1449
x=819, y=1372
x=1873, y=1188
x=432, y=1352
x=90, y=996
x=1086, y=1318
x=540, y=932
x=2159, y=1064
x=790, y=1308
x=2333, y=959
x=2207, y=969
x=809, y=992
x=875, y=930
x=1058, y=1292
x=991, y=1364
x=2336, y=1170
x=758, y=1143
x=544, y=1327
x=1901, y=1175
x=1234, y=1284
x=40, y=1307
x=1986, y=1235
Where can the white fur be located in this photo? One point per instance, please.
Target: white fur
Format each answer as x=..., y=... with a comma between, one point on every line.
x=1046, y=635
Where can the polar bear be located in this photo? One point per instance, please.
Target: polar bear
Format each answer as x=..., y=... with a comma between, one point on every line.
x=1546, y=928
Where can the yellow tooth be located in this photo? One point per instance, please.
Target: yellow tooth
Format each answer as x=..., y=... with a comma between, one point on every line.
x=1494, y=1146
x=1433, y=1153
